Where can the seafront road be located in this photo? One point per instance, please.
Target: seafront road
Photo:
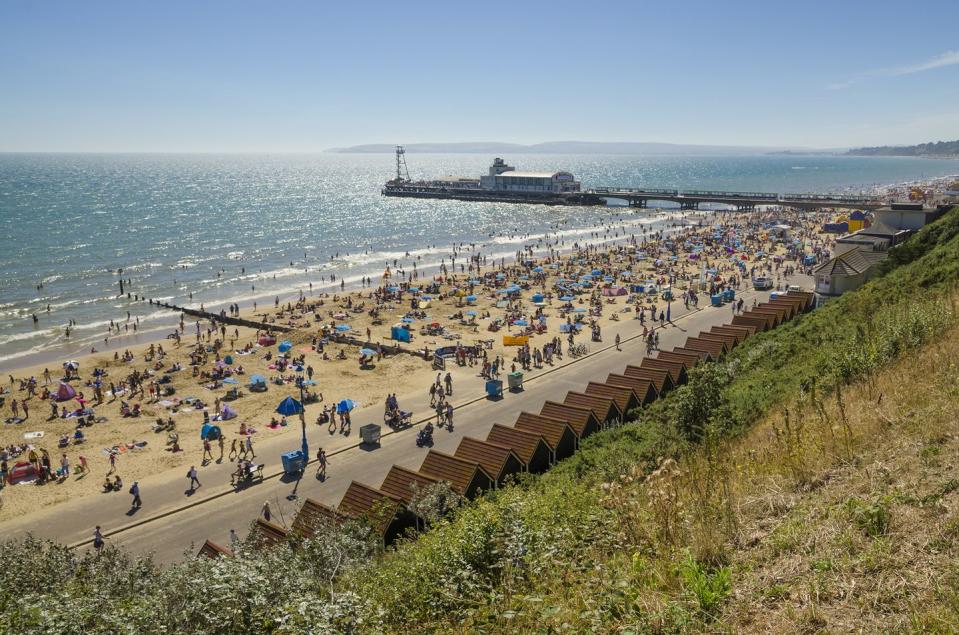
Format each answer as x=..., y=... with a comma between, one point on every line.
x=172, y=524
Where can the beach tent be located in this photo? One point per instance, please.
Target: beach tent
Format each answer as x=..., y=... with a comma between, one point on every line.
x=399, y=333
x=285, y=346
x=537, y=297
x=345, y=405
x=227, y=413
x=65, y=392
x=343, y=328
x=210, y=431
x=267, y=341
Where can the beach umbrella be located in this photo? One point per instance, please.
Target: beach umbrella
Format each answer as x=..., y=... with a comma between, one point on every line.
x=342, y=328
x=426, y=297
x=471, y=298
x=537, y=270
x=345, y=405
x=520, y=323
x=579, y=310
x=289, y=406
x=392, y=289
x=471, y=313
x=408, y=320
x=230, y=380
x=285, y=345
x=414, y=289
x=367, y=351
x=567, y=298
x=257, y=379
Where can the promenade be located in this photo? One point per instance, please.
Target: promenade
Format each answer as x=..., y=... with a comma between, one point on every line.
x=172, y=523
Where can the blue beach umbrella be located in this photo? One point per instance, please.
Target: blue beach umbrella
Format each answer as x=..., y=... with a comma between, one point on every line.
x=367, y=351
x=471, y=298
x=257, y=379
x=285, y=346
x=579, y=310
x=408, y=320
x=520, y=323
x=345, y=406
x=471, y=313
x=414, y=289
x=342, y=328
x=537, y=270
x=567, y=298
x=289, y=406
x=230, y=380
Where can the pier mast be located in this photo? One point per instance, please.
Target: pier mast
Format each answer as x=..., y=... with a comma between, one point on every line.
x=402, y=173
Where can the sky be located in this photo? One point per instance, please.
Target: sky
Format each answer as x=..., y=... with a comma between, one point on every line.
x=290, y=76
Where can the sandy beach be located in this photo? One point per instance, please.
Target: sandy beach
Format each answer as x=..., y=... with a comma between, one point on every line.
x=471, y=302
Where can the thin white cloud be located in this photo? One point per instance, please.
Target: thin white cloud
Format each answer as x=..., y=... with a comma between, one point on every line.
x=949, y=58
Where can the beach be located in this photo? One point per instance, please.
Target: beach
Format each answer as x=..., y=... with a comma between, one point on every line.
x=436, y=308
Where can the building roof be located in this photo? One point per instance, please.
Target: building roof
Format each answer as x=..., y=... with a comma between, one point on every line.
x=314, y=516
x=212, y=550
x=458, y=472
x=582, y=419
x=882, y=229
x=626, y=398
x=523, y=442
x=551, y=429
x=536, y=175
x=850, y=263
x=491, y=456
x=362, y=500
x=399, y=482
x=268, y=533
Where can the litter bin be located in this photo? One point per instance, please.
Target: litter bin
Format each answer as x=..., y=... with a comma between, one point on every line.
x=515, y=381
x=370, y=434
x=729, y=295
x=717, y=299
x=494, y=388
x=293, y=462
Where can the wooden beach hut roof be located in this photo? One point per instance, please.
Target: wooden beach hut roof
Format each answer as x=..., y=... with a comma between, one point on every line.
x=528, y=446
x=212, y=550
x=399, y=482
x=782, y=311
x=638, y=384
x=688, y=357
x=758, y=322
x=313, y=516
x=729, y=340
x=705, y=356
x=559, y=434
x=662, y=380
x=606, y=409
x=267, y=534
x=677, y=370
x=716, y=349
x=499, y=461
x=742, y=331
x=788, y=308
x=626, y=398
x=464, y=476
x=582, y=419
x=773, y=318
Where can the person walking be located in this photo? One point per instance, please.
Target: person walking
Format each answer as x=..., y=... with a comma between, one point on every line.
x=449, y=416
x=113, y=463
x=98, y=539
x=135, y=491
x=448, y=380
x=321, y=468
x=192, y=475
x=233, y=451
x=249, y=448
x=266, y=511
x=64, y=465
x=207, y=451
x=617, y=343
x=83, y=464
x=221, y=441
x=234, y=540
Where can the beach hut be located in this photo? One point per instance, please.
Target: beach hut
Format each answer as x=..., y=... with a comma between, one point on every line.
x=625, y=398
x=559, y=434
x=582, y=419
x=401, y=483
x=384, y=512
x=605, y=409
x=532, y=449
x=677, y=370
x=715, y=347
x=689, y=357
x=661, y=378
x=499, y=461
x=211, y=549
x=314, y=517
x=467, y=478
x=758, y=322
x=267, y=534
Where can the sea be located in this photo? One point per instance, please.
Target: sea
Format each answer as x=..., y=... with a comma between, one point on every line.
x=214, y=229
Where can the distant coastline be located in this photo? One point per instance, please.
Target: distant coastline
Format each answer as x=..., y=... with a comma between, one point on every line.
x=567, y=147
x=932, y=150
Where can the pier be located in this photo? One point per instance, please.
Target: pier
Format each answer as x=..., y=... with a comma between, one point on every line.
x=743, y=201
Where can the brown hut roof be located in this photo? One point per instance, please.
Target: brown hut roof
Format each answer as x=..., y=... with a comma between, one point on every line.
x=605, y=408
x=637, y=383
x=742, y=332
x=661, y=378
x=463, y=476
x=312, y=516
x=688, y=357
x=212, y=550
x=626, y=398
x=716, y=349
x=582, y=419
x=398, y=484
x=523, y=442
x=496, y=459
x=788, y=308
x=552, y=429
x=773, y=318
x=677, y=370
x=729, y=340
x=267, y=534
x=758, y=322
x=705, y=356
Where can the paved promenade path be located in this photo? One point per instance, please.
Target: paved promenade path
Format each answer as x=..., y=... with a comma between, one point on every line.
x=172, y=523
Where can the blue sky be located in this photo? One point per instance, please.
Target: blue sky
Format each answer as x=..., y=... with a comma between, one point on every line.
x=305, y=76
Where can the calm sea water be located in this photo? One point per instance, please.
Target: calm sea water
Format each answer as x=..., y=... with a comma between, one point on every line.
x=218, y=226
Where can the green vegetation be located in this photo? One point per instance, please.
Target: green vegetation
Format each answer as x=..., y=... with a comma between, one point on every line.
x=677, y=522
x=932, y=149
